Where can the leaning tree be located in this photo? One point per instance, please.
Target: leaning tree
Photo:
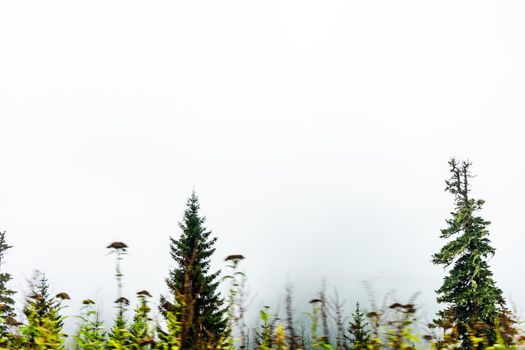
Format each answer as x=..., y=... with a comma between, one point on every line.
x=475, y=311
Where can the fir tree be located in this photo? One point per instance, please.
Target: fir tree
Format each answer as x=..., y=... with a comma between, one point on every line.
x=474, y=305
x=358, y=331
x=195, y=299
x=7, y=312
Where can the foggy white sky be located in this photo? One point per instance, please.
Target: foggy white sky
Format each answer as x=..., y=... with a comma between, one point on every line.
x=316, y=134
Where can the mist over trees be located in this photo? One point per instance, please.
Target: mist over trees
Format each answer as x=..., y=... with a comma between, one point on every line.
x=195, y=315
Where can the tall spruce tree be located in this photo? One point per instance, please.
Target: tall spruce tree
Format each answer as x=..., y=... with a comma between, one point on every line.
x=195, y=298
x=474, y=305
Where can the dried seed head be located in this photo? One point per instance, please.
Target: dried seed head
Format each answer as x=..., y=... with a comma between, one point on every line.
x=88, y=302
x=37, y=297
x=63, y=296
x=117, y=245
x=144, y=293
x=234, y=257
x=315, y=301
x=122, y=300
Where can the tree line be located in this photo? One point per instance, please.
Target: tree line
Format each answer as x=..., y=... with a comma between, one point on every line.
x=195, y=316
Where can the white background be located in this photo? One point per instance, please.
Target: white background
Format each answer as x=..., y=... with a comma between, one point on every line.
x=316, y=135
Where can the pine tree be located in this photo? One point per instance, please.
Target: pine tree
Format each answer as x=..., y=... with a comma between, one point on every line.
x=474, y=305
x=7, y=312
x=195, y=298
x=359, y=333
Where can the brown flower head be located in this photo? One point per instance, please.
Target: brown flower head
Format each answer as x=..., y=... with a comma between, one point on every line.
x=117, y=245
x=122, y=300
x=144, y=293
x=37, y=297
x=63, y=296
x=234, y=257
x=396, y=306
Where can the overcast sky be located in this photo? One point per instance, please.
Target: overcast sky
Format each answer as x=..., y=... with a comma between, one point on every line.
x=316, y=135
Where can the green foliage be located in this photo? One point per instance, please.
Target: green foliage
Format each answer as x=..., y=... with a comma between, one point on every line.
x=358, y=330
x=264, y=336
x=469, y=290
x=171, y=338
x=43, y=329
x=7, y=312
x=315, y=315
x=400, y=334
x=90, y=334
x=193, y=287
x=119, y=337
x=141, y=330
x=236, y=301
